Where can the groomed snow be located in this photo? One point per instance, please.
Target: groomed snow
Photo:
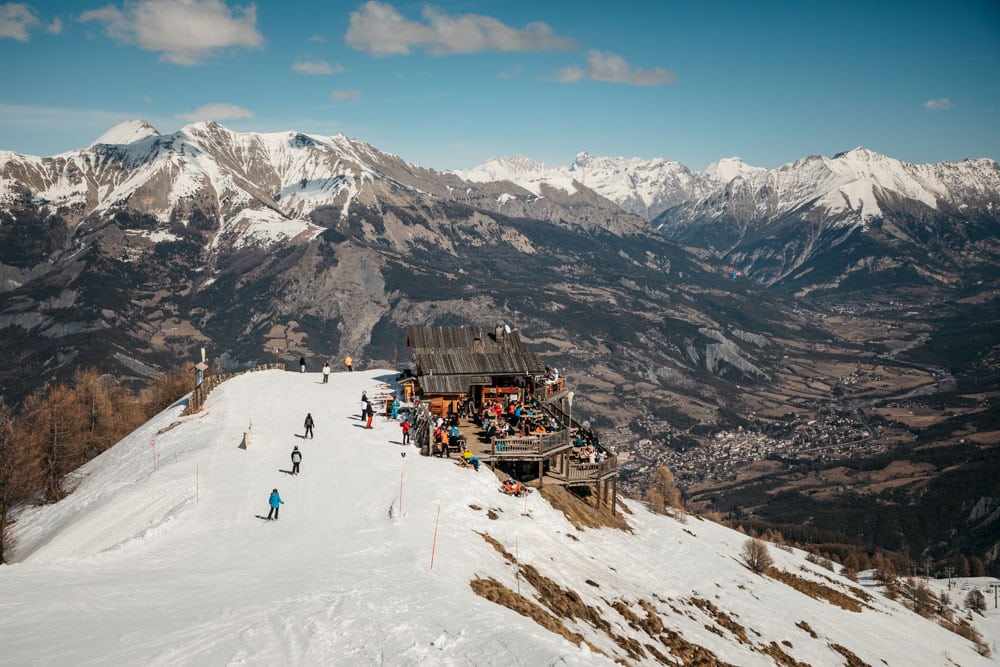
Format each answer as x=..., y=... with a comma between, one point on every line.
x=172, y=563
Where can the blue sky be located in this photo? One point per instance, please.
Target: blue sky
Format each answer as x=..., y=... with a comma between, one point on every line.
x=452, y=83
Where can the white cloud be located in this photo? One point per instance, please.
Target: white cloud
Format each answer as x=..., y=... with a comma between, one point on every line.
x=380, y=30
x=610, y=67
x=55, y=27
x=216, y=111
x=938, y=104
x=317, y=38
x=16, y=19
x=345, y=94
x=317, y=67
x=185, y=32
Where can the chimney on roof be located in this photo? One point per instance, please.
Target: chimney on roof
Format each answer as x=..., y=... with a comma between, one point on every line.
x=477, y=343
x=498, y=334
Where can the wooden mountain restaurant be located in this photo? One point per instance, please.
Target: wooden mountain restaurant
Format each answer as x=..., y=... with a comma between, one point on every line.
x=512, y=410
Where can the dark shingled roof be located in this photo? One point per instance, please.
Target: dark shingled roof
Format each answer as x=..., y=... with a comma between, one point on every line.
x=469, y=351
x=451, y=384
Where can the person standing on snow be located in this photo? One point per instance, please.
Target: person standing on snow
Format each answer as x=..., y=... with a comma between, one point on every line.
x=349, y=363
x=395, y=408
x=406, y=431
x=370, y=413
x=309, y=426
x=275, y=502
x=302, y=364
x=296, y=460
x=326, y=371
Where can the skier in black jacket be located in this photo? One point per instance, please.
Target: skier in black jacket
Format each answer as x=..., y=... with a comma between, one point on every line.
x=309, y=426
x=296, y=460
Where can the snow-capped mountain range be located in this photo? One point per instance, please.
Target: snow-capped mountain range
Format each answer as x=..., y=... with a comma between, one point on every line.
x=251, y=188
x=646, y=187
x=161, y=555
x=816, y=225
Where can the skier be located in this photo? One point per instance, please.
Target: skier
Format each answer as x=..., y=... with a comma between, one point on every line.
x=302, y=364
x=309, y=426
x=296, y=460
x=395, y=408
x=371, y=413
x=326, y=371
x=349, y=363
x=364, y=407
x=275, y=502
x=406, y=431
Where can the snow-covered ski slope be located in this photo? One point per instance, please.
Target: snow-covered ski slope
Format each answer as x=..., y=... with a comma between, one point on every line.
x=172, y=565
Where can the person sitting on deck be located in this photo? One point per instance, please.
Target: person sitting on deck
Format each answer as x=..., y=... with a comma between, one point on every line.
x=470, y=458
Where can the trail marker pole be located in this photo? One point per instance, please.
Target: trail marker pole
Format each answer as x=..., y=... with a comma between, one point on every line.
x=434, y=543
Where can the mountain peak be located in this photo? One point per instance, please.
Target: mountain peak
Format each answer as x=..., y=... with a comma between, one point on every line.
x=514, y=169
x=127, y=132
x=729, y=168
x=861, y=154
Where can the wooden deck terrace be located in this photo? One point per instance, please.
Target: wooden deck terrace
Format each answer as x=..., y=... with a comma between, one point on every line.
x=549, y=446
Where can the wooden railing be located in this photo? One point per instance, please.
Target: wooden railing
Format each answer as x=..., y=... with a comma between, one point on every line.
x=589, y=472
x=538, y=445
x=201, y=392
x=512, y=447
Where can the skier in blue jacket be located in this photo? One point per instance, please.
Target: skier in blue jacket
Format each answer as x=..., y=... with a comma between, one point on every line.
x=276, y=502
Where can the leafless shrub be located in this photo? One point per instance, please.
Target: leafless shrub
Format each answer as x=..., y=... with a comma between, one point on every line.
x=756, y=556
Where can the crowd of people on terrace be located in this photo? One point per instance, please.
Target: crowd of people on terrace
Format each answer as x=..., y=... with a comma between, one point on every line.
x=514, y=415
x=511, y=417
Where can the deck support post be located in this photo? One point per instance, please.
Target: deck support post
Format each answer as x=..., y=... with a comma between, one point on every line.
x=614, y=496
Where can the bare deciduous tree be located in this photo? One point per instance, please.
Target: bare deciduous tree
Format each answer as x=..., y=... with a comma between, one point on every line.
x=756, y=556
x=975, y=601
x=18, y=477
x=662, y=491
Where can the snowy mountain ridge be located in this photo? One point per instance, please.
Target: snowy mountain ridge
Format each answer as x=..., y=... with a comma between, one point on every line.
x=251, y=189
x=851, y=181
x=381, y=556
